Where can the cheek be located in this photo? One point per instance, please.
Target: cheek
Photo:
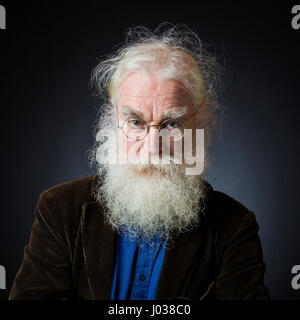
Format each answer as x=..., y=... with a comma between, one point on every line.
x=167, y=147
x=130, y=146
x=176, y=149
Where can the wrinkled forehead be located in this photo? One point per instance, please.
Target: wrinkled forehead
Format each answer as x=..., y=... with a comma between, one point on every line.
x=150, y=94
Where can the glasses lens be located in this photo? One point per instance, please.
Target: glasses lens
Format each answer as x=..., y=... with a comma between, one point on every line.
x=172, y=130
x=135, y=129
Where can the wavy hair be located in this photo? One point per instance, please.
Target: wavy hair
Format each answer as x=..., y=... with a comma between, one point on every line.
x=170, y=52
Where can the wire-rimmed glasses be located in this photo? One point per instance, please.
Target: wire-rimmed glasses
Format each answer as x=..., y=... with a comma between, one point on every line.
x=169, y=129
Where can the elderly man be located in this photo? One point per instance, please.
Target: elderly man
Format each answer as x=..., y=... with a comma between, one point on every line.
x=149, y=227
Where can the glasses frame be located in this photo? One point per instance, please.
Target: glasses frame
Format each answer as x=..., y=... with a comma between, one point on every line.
x=151, y=125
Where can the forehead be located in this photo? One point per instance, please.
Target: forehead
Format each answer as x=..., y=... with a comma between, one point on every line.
x=145, y=85
x=145, y=92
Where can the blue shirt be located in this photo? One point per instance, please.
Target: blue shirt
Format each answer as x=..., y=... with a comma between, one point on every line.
x=137, y=269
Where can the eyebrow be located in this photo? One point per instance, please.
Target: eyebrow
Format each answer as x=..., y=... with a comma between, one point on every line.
x=174, y=113
x=127, y=111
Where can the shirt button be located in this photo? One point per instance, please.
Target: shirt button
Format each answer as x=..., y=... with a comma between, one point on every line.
x=142, y=277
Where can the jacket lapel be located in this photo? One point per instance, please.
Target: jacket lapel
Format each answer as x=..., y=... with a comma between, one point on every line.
x=180, y=256
x=177, y=261
x=98, y=240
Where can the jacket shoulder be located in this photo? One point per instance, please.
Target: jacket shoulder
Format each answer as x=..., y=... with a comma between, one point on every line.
x=81, y=190
x=225, y=214
x=225, y=205
x=59, y=209
x=62, y=203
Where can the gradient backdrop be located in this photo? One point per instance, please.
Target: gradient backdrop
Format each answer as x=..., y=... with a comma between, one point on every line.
x=47, y=111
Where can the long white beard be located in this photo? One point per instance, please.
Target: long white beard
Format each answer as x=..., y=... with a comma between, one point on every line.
x=147, y=202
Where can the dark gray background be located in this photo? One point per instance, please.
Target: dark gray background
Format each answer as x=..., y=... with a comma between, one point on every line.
x=47, y=111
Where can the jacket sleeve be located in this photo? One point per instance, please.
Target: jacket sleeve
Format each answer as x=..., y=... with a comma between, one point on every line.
x=45, y=269
x=241, y=273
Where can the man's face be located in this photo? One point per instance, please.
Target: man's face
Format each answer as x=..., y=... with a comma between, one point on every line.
x=147, y=199
x=144, y=97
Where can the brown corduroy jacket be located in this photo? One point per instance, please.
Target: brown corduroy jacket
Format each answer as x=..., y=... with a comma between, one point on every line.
x=70, y=254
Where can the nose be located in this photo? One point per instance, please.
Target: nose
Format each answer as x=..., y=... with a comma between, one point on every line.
x=153, y=140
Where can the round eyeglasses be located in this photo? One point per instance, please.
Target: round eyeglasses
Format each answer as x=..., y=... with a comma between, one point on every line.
x=170, y=129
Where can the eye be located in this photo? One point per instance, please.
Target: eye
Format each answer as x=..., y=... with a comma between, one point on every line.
x=171, y=124
x=136, y=124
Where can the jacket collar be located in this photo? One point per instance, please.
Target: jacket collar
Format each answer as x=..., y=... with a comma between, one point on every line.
x=98, y=241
